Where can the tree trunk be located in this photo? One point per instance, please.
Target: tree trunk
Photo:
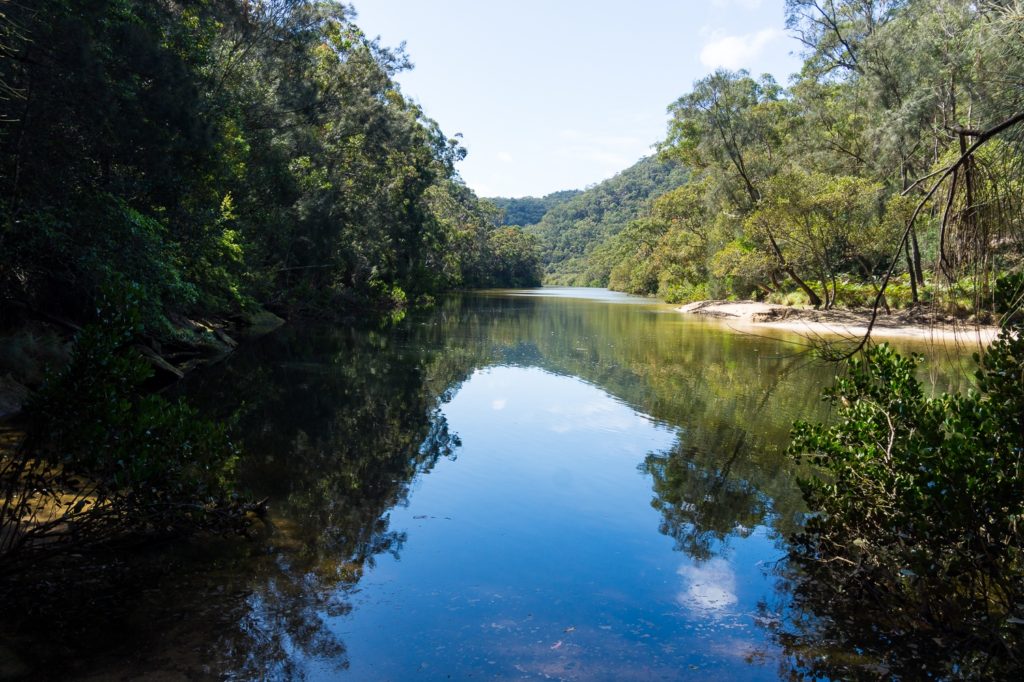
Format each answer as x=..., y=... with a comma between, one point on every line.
x=813, y=297
x=910, y=271
x=916, y=252
x=788, y=269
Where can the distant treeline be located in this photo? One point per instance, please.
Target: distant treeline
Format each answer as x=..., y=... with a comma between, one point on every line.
x=894, y=156
x=572, y=232
x=525, y=211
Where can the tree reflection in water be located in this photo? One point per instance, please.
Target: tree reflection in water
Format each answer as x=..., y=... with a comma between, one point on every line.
x=701, y=502
x=337, y=424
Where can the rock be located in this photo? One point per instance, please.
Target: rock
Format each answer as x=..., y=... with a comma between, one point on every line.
x=12, y=396
x=260, y=323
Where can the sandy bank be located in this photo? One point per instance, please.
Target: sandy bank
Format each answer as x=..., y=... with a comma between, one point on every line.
x=915, y=324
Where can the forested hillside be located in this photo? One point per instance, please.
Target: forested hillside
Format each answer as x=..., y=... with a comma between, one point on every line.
x=525, y=211
x=892, y=160
x=571, y=232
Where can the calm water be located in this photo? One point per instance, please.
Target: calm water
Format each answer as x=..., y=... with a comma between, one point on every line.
x=561, y=484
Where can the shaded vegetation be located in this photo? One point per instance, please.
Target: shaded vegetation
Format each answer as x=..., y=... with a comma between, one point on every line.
x=207, y=159
x=913, y=555
x=106, y=462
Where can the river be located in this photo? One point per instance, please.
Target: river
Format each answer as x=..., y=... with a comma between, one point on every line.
x=550, y=484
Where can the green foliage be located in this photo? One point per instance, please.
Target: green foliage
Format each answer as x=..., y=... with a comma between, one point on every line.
x=151, y=459
x=749, y=112
x=572, y=231
x=297, y=178
x=104, y=459
x=1009, y=293
x=481, y=251
x=683, y=292
x=917, y=523
x=526, y=211
x=515, y=258
x=816, y=182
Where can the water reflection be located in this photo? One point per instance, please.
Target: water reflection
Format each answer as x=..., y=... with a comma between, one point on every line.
x=710, y=585
x=703, y=501
x=506, y=486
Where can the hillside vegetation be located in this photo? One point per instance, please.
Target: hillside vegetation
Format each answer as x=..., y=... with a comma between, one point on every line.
x=571, y=232
x=525, y=211
x=891, y=162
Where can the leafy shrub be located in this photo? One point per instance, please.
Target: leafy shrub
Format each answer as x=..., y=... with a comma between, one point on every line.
x=1009, y=293
x=789, y=298
x=104, y=460
x=918, y=523
x=684, y=292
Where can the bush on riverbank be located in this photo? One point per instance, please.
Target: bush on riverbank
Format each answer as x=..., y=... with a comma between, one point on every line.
x=105, y=461
x=918, y=524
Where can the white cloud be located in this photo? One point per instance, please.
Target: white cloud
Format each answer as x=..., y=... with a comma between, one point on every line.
x=505, y=157
x=498, y=404
x=709, y=586
x=737, y=52
x=746, y=4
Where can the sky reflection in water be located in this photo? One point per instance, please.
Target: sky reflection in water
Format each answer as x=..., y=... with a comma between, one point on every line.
x=571, y=484
x=535, y=552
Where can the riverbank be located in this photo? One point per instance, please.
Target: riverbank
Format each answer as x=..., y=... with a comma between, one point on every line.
x=920, y=324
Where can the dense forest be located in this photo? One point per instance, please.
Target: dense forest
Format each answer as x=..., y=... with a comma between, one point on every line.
x=893, y=156
x=220, y=155
x=524, y=211
x=170, y=171
x=570, y=232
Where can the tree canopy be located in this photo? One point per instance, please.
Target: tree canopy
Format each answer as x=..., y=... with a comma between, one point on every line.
x=220, y=154
x=891, y=162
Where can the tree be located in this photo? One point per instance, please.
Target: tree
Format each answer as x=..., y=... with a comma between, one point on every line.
x=823, y=220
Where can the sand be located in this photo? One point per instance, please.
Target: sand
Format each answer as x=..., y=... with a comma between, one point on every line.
x=914, y=324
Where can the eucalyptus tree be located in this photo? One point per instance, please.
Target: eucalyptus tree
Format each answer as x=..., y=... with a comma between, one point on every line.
x=734, y=129
x=829, y=222
x=930, y=83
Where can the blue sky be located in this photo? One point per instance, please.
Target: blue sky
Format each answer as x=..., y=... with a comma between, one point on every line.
x=553, y=95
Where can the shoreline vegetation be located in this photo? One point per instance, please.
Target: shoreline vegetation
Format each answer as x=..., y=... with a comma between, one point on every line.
x=217, y=161
x=221, y=159
x=845, y=323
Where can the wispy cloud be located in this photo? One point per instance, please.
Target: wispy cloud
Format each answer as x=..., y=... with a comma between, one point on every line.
x=738, y=51
x=615, y=152
x=505, y=157
x=745, y=4
x=708, y=586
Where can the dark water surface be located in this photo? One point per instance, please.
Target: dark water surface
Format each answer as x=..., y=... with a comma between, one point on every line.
x=509, y=486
